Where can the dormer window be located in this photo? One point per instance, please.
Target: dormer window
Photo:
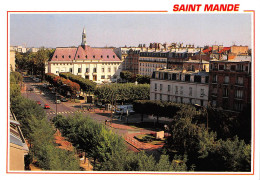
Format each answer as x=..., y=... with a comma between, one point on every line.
x=94, y=56
x=86, y=56
x=69, y=56
x=78, y=56
x=107, y=56
x=113, y=56
x=101, y=56
x=56, y=56
x=62, y=56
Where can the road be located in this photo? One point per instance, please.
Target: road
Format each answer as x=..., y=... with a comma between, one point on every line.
x=45, y=96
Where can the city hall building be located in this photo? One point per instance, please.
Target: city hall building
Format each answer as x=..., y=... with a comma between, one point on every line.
x=96, y=64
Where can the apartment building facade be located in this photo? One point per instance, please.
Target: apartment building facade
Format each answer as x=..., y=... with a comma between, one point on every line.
x=177, y=86
x=230, y=83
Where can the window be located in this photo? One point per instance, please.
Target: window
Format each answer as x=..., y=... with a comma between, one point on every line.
x=70, y=70
x=109, y=76
x=225, y=92
x=94, y=70
x=113, y=56
x=107, y=56
x=202, y=92
x=101, y=56
x=103, y=69
x=109, y=69
x=190, y=91
x=181, y=90
x=226, y=79
x=155, y=87
x=79, y=70
x=233, y=67
x=176, y=89
x=169, y=88
x=240, y=81
x=221, y=67
x=87, y=70
x=238, y=106
x=57, y=70
x=240, y=67
x=86, y=56
x=78, y=56
x=239, y=94
x=161, y=86
x=102, y=77
x=168, y=98
x=62, y=56
x=87, y=77
x=187, y=77
x=215, y=78
x=56, y=56
x=115, y=69
x=94, y=56
x=160, y=97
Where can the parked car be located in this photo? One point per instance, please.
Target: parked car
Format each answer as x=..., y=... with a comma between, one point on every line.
x=38, y=102
x=57, y=101
x=36, y=79
x=46, y=106
x=45, y=85
x=64, y=99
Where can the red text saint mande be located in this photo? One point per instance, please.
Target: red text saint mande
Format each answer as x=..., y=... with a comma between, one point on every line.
x=207, y=7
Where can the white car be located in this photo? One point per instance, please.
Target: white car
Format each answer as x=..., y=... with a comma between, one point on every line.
x=122, y=109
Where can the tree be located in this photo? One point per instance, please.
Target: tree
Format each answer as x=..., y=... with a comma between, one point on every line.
x=122, y=92
x=127, y=76
x=143, y=79
x=85, y=84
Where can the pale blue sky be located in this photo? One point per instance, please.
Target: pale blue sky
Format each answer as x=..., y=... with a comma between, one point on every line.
x=62, y=30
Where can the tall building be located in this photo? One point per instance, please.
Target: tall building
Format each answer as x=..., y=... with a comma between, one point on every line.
x=230, y=83
x=96, y=64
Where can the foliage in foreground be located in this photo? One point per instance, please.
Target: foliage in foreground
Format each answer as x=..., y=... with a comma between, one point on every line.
x=108, y=150
x=203, y=148
x=39, y=133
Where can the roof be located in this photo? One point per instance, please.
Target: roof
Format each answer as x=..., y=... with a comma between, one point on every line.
x=84, y=53
x=224, y=49
x=207, y=50
x=197, y=61
x=202, y=73
x=64, y=54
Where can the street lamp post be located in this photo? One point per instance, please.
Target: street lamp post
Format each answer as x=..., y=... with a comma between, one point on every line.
x=127, y=113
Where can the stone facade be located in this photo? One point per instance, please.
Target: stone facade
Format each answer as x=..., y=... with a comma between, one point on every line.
x=180, y=87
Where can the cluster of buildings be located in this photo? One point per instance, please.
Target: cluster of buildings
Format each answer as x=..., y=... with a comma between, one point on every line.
x=215, y=75
x=223, y=81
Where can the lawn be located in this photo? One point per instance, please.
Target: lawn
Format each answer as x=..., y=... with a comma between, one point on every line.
x=149, y=138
